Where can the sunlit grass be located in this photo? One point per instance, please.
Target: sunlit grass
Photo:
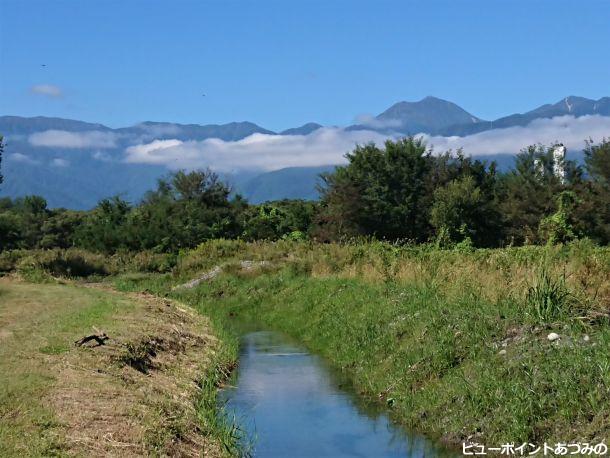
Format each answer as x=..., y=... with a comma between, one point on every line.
x=38, y=322
x=456, y=339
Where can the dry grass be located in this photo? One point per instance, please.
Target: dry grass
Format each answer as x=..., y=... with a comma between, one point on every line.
x=495, y=274
x=62, y=399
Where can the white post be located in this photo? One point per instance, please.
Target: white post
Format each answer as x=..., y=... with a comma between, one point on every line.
x=559, y=155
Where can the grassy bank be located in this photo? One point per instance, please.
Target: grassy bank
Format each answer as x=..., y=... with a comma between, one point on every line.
x=454, y=342
x=132, y=396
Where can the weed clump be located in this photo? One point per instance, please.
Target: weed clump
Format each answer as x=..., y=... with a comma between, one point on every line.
x=139, y=355
x=549, y=298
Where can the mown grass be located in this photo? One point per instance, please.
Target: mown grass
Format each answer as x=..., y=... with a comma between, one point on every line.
x=40, y=368
x=454, y=341
x=38, y=322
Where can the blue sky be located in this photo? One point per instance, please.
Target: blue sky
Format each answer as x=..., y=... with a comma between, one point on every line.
x=283, y=63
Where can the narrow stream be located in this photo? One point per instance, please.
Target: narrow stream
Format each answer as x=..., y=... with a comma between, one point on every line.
x=291, y=404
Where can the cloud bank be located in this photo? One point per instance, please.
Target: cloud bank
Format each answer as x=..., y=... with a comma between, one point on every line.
x=328, y=145
x=48, y=90
x=65, y=139
x=570, y=131
x=258, y=151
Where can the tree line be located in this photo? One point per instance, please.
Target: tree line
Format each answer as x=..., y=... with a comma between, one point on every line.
x=400, y=191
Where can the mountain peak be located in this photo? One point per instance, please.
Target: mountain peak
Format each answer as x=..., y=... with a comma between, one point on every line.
x=429, y=115
x=431, y=98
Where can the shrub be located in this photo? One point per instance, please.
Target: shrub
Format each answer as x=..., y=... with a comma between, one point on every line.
x=58, y=263
x=9, y=259
x=147, y=261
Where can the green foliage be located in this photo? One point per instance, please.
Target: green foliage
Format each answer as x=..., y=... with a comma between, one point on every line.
x=265, y=222
x=548, y=298
x=182, y=212
x=593, y=213
x=10, y=233
x=28, y=223
x=381, y=192
x=403, y=192
x=597, y=160
x=295, y=236
x=400, y=192
x=426, y=341
x=527, y=194
x=288, y=219
x=462, y=211
x=558, y=228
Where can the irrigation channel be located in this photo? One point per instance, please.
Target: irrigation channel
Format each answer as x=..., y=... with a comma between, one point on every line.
x=290, y=403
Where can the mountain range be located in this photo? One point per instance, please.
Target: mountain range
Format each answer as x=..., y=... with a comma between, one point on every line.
x=75, y=163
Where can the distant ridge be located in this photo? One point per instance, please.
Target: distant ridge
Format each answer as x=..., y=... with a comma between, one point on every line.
x=305, y=129
x=79, y=175
x=430, y=115
x=572, y=105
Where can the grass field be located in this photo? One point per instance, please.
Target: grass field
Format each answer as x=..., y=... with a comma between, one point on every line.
x=454, y=343
x=133, y=396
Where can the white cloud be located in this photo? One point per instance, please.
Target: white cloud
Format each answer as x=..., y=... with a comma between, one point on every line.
x=101, y=156
x=65, y=139
x=48, y=90
x=570, y=131
x=19, y=157
x=371, y=121
x=258, y=151
x=59, y=162
x=148, y=150
x=329, y=145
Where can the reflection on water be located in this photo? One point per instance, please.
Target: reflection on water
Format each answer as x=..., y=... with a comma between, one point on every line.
x=292, y=405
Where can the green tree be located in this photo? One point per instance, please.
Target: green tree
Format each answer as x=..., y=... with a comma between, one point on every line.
x=527, y=193
x=32, y=212
x=597, y=160
x=381, y=192
x=185, y=210
x=279, y=219
x=59, y=228
x=558, y=228
x=201, y=185
x=463, y=211
x=265, y=222
x=592, y=215
x=104, y=228
x=10, y=231
x=388, y=193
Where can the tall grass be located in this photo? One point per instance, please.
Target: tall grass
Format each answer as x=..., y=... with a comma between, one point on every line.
x=434, y=352
x=213, y=419
x=549, y=298
x=424, y=327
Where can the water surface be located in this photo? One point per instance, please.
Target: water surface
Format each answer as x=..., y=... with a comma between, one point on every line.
x=291, y=404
